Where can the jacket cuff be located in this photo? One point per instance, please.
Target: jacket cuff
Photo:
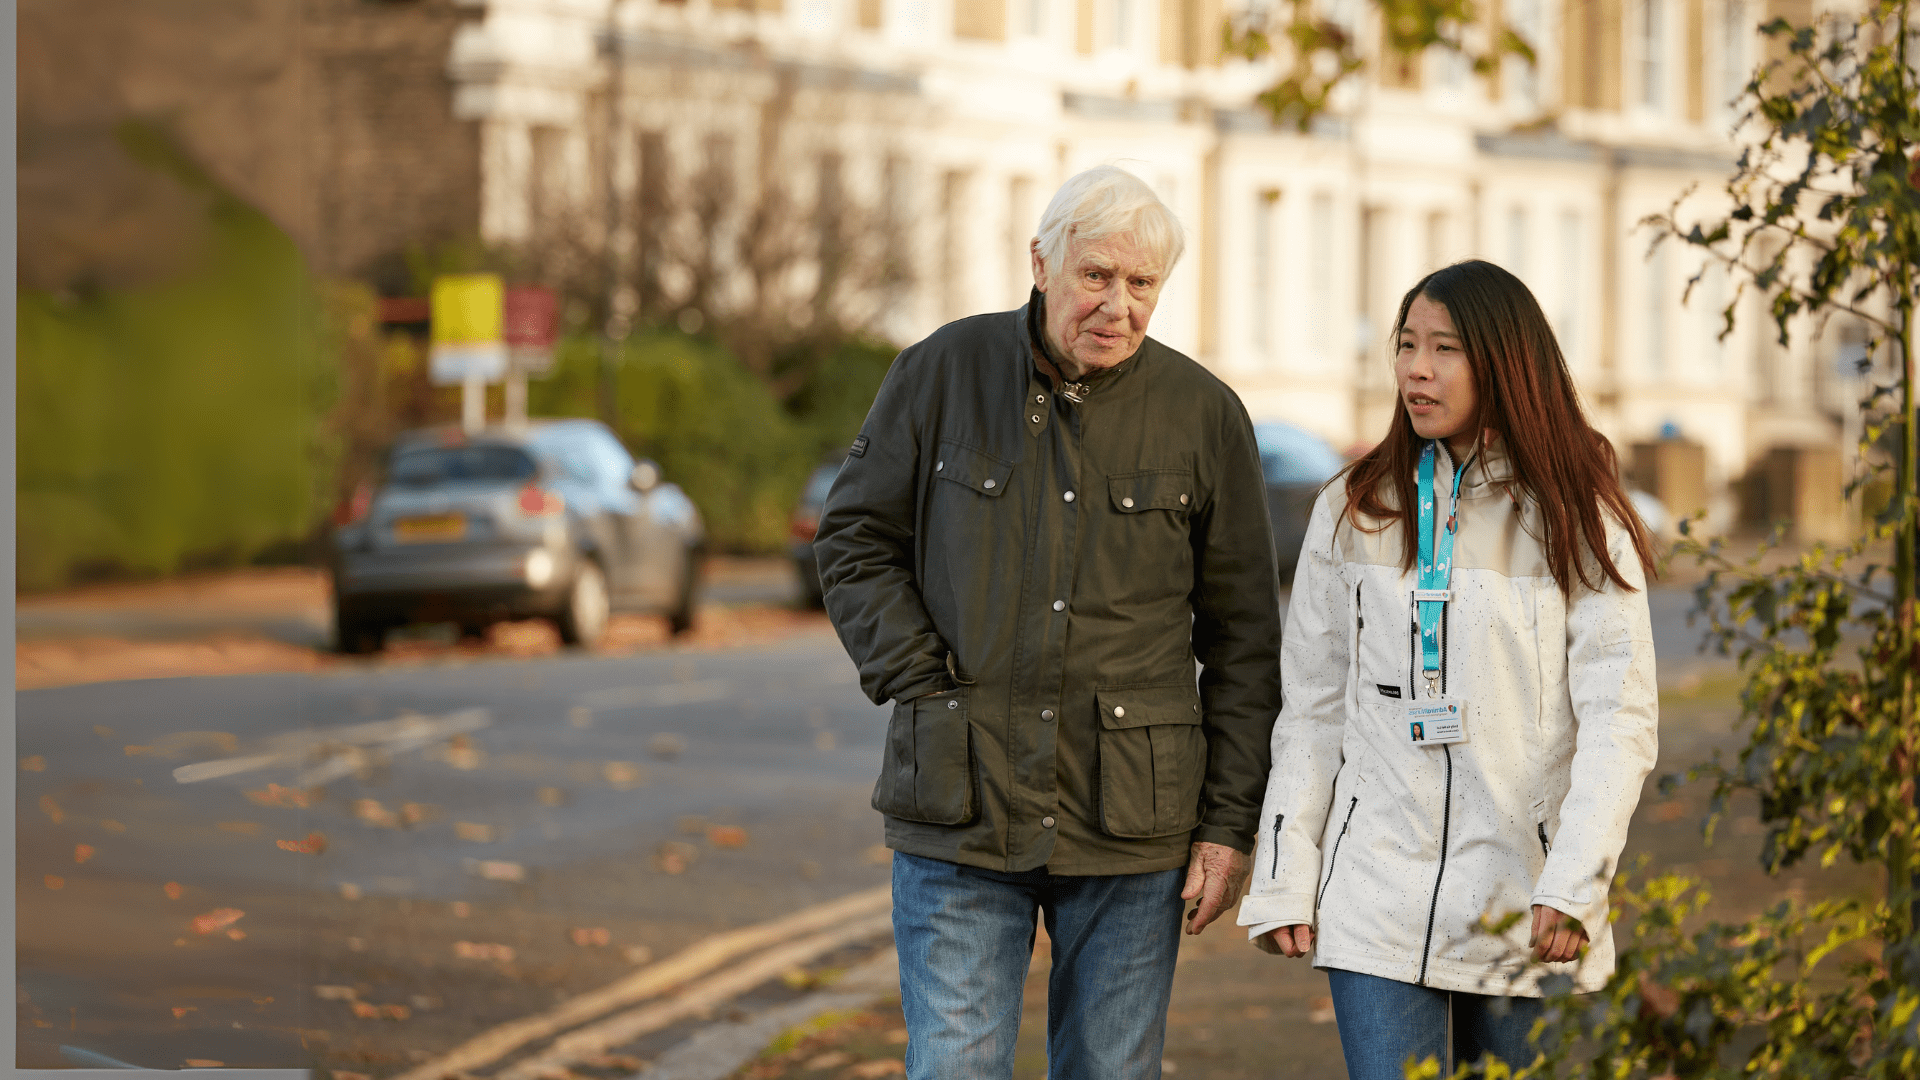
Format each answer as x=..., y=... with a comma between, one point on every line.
x=1590, y=915
x=937, y=683
x=1236, y=839
x=1283, y=909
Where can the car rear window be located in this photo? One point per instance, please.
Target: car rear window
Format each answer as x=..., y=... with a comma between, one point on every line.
x=820, y=483
x=1291, y=455
x=453, y=464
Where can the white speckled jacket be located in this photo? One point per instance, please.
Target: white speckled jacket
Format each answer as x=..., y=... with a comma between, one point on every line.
x=1394, y=850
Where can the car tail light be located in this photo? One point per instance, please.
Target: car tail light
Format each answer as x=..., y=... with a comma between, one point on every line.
x=535, y=502
x=804, y=528
x=354, y=507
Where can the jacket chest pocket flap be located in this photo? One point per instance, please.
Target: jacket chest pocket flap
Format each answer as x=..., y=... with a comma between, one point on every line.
x=976, y=469
x=1154, y=489
x=1153, y=760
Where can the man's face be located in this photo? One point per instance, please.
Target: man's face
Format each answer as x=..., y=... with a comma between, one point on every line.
x=1098, y=301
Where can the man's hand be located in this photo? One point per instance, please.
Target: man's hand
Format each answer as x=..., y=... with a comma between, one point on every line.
x=1557, y=937
x=1215, y=875
x=1294, y=941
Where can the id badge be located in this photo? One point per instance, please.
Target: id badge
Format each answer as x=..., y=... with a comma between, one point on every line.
x=1437, y=721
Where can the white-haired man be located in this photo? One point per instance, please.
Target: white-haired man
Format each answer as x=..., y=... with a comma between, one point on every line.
x=1047, y=519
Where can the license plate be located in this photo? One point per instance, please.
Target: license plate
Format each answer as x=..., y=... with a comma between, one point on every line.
x=434, y=529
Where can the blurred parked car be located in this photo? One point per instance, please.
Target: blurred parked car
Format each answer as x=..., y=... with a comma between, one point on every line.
x=806, y=523
x=553, y=520
x=1653, y=513
x=1296, y=463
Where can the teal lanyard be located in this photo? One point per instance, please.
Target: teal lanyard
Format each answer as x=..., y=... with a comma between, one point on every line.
x=1436, y=570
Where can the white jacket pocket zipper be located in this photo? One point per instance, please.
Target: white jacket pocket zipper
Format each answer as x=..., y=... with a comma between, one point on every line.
x=1334, y=859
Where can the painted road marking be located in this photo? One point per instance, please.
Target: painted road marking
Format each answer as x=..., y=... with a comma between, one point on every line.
x=651, y=981
x=340, y=745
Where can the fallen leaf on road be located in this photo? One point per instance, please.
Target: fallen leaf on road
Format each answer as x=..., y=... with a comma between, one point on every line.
x=832, y=1059
x=112, y=826
x=423, y=1002
x=103, y=731
x=462, y=754
x=237, y=934
x=872, y=1070
x=52, y=809
x=217, y=919
x=335, y=993
x=205, y=1063
x=474, y=831
x=172, y=889
x=414, y=813
x=727, y=836
x=342, y=1074
x=673, y=857
x=623, y=774
x=666, y=746
x=82, y=852
x=1321, y=1011
x=552, y=796
x=482, y=950
x=498, y=870
x=798, y=978
x=275, y=795
x=462, y=909
x=371, y=812
x=314, y=844
x=55, y=881
x=138, y=751
x=244, y=828
x=349, y=891
x=584, y=936
x=614, y=1063
x=1257, y=1012
x=636, y=954
x=395, y=1012
x=366, y=1010
x=182, y=1010
x=36, y=763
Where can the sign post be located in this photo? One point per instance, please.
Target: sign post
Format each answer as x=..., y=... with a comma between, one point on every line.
x=532, y=325
x=469, y=349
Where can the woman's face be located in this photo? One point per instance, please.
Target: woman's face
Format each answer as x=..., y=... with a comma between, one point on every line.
x=1433, y=376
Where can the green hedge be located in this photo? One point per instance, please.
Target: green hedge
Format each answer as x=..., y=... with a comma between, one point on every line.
x=176, y=422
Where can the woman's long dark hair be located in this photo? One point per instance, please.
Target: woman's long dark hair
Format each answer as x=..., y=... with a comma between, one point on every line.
x=1524, y=394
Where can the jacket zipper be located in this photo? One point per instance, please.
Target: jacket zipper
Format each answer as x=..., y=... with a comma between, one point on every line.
x=1334, y=859
x=1544, y=849
x=1446, y=811
x=1277, y=819
x=1359, y=617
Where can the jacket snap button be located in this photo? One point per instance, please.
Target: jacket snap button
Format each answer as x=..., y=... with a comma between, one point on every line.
x=1047, y=821
x=1059, y=605
x=986, y=483
x=1127, y=503
x=1118, y=711
x=1046, y=714
x=1068, y=496
x=938, y=466
x=1036, y=418
x=1196, y=708
x=953, y=704
x=1040, y=399
x=1183, y=500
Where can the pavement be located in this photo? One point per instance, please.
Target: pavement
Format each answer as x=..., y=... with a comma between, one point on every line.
x=370, y=864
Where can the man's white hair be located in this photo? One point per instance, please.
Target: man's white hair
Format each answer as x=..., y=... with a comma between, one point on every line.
x=1104, y=201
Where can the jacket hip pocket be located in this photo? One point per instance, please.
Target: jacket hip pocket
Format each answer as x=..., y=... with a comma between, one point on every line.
x=1153, y=760
x=927, y=774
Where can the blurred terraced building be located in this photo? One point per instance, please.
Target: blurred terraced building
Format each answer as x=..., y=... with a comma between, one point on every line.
x=883, y=162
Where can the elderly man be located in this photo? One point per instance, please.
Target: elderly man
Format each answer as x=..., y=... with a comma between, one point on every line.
x=1046, y=520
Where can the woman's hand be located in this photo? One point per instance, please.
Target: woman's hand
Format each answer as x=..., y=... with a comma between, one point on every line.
x=1293, y=941
x=1557, y=937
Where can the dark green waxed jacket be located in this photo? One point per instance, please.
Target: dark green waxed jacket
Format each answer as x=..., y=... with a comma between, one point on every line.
x=1031, y=581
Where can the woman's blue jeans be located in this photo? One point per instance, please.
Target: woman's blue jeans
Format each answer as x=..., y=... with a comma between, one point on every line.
x=965, y=937
x=1383, y=1023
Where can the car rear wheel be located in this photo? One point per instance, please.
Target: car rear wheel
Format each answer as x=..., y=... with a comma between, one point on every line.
x=680, y=619
x=355, y=634
x=583, y=621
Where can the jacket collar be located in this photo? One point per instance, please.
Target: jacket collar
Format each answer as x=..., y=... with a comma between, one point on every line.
x=1492, y=468
x=1043, y=357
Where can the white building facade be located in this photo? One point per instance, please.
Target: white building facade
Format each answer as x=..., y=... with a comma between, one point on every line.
x=958, y=118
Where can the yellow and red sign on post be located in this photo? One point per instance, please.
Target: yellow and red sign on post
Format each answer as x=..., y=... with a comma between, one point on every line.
x=469, y=321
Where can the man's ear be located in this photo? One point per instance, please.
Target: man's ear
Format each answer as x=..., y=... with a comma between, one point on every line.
x=1039, y=264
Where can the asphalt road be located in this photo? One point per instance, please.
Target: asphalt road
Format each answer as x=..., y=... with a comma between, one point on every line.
x=645, y=801
x=450, y=869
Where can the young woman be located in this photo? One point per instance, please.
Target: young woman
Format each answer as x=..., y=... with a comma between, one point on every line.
x=1470, y=705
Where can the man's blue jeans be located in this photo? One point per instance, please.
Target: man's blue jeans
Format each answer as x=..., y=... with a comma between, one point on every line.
x=1383, y=1022
x=965, y=937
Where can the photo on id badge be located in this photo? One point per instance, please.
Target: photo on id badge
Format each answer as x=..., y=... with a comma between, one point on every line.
x=1437, y=722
